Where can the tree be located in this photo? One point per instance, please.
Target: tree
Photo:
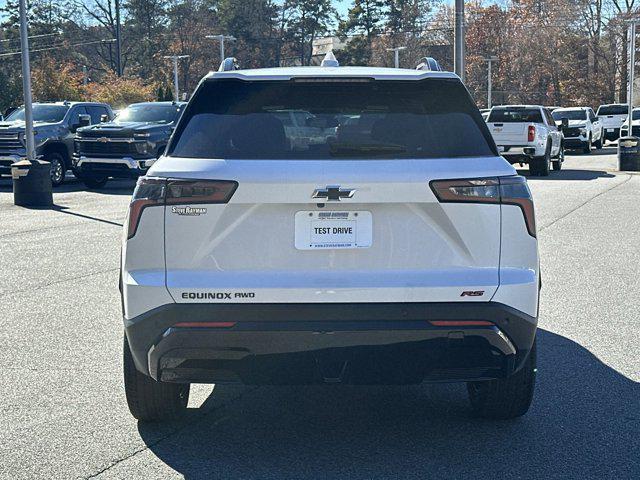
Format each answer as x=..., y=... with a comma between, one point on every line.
x=310, y=19
x=119, y=91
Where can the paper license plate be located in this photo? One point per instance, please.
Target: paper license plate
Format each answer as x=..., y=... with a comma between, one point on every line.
x=610, y=130
x=333, y=230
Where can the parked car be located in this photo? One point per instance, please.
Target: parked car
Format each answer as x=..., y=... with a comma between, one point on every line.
x=635, y=129
x=527, y=134
x=584, y=128
x=612, y=116
x=400, y=251
x=55, y=125
x=126, y=147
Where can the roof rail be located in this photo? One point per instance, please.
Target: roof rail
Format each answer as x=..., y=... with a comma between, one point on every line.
x=429, y=64
x=229, y=63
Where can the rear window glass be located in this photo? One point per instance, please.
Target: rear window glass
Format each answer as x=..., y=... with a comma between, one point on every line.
x=337, y=119
x=613, y=110
x=513, y=115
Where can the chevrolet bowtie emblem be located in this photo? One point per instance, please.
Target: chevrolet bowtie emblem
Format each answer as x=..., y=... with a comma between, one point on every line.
x=333, y=192
x=103, y=139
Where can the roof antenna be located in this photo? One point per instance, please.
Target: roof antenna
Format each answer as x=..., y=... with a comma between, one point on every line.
x=329, y=60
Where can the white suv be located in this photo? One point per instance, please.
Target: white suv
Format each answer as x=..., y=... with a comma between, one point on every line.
x=393, y=246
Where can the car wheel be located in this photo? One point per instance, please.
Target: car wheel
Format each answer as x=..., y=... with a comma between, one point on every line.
x=505, y=398
x=586, y=146
x=557, y=163
x=149, y=400
x=94, y=182
x=58, y=168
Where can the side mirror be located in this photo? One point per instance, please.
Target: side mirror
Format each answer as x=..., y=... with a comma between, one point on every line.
x=84, y=120
x=104, y=118
x=564, y=123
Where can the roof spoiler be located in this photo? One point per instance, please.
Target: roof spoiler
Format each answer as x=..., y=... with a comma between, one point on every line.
x=429, y=64
x=228, y=64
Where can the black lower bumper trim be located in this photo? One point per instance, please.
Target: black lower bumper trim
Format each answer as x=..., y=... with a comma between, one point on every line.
x=373, y=343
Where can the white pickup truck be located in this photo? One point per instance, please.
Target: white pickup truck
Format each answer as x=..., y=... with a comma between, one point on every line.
x=528, y=134
x=584, y=128
x=612, y=116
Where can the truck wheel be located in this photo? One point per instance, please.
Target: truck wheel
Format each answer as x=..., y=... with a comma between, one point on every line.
x=586, y=146
x=540, y=166
x=557, y=163
x=149, y=400
x=58, y=168
x=505, y=398
x=94, y=182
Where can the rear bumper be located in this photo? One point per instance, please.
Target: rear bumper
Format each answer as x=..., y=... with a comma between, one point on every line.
x=373, y=343
x=519, y=153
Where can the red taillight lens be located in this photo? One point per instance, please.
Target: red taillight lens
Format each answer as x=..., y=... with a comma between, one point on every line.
x=506, y=190
x=205, y=324
x=515, y=191
x=155, y=191
x=461, y=323
x=148, y=192
x=531, y=133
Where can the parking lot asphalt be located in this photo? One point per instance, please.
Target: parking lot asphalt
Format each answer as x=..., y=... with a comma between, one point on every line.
x=63, y=412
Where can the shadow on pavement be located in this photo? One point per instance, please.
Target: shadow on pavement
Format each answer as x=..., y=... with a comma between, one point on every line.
x=569, y=174
x=113, y=187
x=584, y=423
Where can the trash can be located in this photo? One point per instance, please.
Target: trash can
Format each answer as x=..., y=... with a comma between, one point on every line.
x=629, y=154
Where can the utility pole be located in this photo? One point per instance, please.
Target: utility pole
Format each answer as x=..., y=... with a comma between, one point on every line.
x=490, y=59
x=632, y=64
x=396, y=54
x=31, y=177
x=118, y=40
x=221, y=39
x=458, y=53
x=175, y=59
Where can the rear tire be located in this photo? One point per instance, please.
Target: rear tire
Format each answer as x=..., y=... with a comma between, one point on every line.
x=505, y=398
x=540, y=166
x=149, y=400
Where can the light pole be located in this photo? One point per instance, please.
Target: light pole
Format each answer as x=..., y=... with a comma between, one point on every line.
x=175, y=59
x=458, y=53
x=396, y=54
x=221, y=39
x=31, y=177
x=632, y=64
x=118, y=40
x=490, y=59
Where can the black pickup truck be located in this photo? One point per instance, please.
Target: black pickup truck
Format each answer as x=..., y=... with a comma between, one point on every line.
x=126, y=147
x=55, y=126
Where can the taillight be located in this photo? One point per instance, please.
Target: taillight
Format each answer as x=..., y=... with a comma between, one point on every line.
x=531, y=133
x=501, y=190
x=159, y=192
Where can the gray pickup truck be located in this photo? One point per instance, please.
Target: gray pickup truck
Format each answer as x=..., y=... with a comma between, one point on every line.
x=126, y=147
x=55, y=125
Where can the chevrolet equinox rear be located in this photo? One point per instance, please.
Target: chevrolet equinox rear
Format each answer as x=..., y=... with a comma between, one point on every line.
x=328, y=225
